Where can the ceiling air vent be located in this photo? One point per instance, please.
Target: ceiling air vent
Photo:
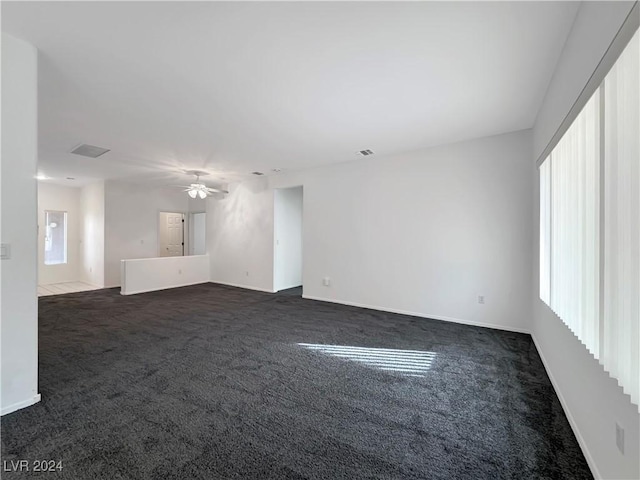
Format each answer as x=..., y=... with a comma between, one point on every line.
x=365, y=153
x=257, y=173
x=89, y=151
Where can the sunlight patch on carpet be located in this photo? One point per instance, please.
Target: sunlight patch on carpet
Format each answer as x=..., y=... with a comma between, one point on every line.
x=413, y=363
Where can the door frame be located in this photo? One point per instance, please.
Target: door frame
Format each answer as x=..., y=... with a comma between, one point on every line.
x=276, y=246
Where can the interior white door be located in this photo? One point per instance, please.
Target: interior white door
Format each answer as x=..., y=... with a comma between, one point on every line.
x=171, y=234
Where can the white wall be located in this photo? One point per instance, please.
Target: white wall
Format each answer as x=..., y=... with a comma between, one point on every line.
x=66, y=199
x=131, y=221
x=149, y=274
x=287, y=268
x=240, y=236
x=19, y=308
x=592, y=400
x=92, y=234
x=198, y=226
x=424, y=233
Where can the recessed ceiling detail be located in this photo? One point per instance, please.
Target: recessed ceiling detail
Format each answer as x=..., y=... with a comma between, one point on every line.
x=89, y=150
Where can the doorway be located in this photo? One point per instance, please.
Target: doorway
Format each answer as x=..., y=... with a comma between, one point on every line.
x=197, y=233
x=171, y=234
x=287, y=271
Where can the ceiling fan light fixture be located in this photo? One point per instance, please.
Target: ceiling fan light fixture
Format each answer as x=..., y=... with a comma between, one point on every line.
x=197, y=189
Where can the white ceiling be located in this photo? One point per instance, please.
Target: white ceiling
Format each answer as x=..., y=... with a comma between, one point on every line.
x=235, y=87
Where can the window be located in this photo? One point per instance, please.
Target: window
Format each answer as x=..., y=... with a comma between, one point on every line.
x=590, y=224
x=55, y=237
x=621, y=252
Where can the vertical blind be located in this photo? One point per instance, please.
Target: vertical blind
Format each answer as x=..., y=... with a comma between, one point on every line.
x=575, y=166
x=590, y=224
x=622, y=219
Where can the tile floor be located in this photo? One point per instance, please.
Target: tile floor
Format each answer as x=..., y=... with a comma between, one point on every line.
x=67, y=287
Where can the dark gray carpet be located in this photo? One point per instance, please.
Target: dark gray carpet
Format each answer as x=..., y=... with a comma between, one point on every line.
x=209, y=382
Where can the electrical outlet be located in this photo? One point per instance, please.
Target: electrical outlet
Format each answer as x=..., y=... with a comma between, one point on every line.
x=620, y=438
x=481, y=299
x=179, y=271
x=90, y=269
x=247, y=273
x=326, y=281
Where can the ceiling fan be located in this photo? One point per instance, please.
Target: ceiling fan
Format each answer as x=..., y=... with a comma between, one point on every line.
x=198, y=189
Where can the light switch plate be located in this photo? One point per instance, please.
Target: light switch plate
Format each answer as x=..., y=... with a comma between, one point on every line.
x=5, y=251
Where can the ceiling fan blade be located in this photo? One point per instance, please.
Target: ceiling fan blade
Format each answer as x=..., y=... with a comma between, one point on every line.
x=199, y=189
x=216, y=190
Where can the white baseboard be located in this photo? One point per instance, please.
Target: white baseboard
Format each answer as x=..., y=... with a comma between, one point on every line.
x=567, y=412
x=419, y=314
x=247, y=287
x=168, y=287
x=17, y=406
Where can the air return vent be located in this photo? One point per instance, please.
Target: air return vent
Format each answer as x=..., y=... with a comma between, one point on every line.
x=89, y=150
x=365, y=153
